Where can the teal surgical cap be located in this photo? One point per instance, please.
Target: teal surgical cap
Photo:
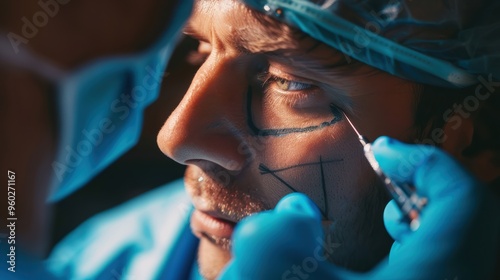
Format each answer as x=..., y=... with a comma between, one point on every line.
x=449, y=43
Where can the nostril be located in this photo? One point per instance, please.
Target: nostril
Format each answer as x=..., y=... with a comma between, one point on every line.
x=234, y=165
x=210, y=174
x=231, y=165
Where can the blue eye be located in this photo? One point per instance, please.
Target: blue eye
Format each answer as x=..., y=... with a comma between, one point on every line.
x=287, y=85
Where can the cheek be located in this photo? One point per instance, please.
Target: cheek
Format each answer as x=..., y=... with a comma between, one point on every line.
x=327, y=165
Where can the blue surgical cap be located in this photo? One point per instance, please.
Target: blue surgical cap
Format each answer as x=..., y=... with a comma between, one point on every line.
x=449, y=43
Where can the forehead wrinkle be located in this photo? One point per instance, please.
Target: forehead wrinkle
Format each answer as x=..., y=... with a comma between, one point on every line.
x=248, y=30
x=231, y=26
x=215, y=21
x=259, y=33
x=199, y=23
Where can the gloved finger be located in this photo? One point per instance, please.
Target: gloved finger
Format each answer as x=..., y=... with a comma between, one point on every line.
x=230, y=272
x=295, y=213
x=298, y=203
x=255, y=240
x=436, y=176
x=239, y=271
x=395, y=252
x=266, y=244
x=394, y=224
x=423, y=166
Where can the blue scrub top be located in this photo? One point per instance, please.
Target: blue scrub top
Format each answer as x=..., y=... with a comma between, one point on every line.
x=148, y=237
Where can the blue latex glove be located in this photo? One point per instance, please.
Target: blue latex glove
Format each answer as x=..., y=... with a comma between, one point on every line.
x=457, y=238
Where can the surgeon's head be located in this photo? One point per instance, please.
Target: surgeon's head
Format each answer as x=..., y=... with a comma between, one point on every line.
x=263, y=118
x=52, y=91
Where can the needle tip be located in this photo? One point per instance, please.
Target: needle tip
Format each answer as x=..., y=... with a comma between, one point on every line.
x=352, y=125
x=361, y=138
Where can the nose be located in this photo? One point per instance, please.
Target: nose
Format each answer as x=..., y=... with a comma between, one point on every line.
x=206, y=125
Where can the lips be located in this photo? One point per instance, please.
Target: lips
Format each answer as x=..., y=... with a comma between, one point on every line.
x=218, y=207
x=203, y=224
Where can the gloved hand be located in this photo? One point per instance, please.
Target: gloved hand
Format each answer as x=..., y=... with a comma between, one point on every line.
x=457, y=238
x=281, y=244
x=459, y=232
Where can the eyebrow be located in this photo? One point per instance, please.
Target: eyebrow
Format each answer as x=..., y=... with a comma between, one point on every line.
x=305, y=60
x=286, y=49
x=191, y=32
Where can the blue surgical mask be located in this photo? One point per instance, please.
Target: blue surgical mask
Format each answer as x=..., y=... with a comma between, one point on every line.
x=101, y=105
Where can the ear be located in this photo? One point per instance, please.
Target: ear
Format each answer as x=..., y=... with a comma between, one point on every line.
x=463, y=143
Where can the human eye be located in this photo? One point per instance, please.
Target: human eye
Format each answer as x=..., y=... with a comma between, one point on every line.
x=287, y=103
x=287, y=85
x=288, y=90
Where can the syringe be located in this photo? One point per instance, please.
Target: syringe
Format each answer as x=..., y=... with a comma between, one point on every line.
x=403, y=194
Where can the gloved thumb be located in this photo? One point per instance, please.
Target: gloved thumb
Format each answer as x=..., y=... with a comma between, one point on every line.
x=394, y=223
x=266, y=244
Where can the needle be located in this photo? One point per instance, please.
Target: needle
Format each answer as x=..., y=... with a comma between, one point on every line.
x=403, y=194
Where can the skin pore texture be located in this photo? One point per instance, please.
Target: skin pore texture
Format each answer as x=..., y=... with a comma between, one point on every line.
x=236, y=168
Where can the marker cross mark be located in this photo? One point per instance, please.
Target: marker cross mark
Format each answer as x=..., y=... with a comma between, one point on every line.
x=264, y=170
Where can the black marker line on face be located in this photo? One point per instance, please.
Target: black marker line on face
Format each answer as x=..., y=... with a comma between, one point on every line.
x=323, y=185
x=284, y=131
x=302, y=164
x=266, y=170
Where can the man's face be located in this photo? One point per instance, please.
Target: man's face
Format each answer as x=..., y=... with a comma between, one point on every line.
x=263, y=118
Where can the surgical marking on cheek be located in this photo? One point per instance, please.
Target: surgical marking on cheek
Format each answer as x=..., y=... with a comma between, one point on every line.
x=264, y=170
x=299, y=165
x=337, y=116
x=323, y=185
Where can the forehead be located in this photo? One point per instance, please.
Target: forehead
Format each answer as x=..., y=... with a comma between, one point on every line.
x=231, y=22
